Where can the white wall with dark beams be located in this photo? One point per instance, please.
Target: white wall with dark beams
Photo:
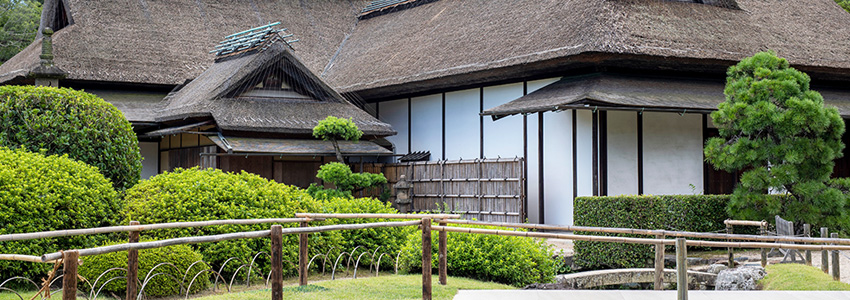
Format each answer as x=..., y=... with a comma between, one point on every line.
x=449, y=126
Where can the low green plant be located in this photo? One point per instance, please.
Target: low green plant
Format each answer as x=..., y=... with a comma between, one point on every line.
x=178, y=259
x=322, y=193
x=346, y=181
x=42, y=193
x=512, y=260
x=845, y=4
x=66, y=121
x=796, y=277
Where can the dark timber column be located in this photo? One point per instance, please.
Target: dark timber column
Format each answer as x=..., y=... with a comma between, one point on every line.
x=603, y=153
x=640, y=152
x=541, y=195
x=132, y=265
x=595, y=149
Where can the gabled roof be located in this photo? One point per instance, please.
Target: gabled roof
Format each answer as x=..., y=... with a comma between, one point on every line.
x=220, y=92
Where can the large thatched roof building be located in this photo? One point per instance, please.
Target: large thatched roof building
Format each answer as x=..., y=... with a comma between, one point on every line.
x=615, y=92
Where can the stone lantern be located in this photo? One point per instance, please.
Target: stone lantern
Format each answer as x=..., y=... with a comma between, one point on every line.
x=402, y=194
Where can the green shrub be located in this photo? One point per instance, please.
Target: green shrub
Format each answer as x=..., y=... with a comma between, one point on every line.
x=41, y=193
x=182, y=256
x=517, y=261
x=698, y=213
x=321, y=193
x=341, y=176
x=65, y=121
x=210, y=194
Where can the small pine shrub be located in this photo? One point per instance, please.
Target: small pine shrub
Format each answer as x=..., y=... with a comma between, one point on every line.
x=182, y=256
x=65, y=121
x=513, y=260
x=42, y=193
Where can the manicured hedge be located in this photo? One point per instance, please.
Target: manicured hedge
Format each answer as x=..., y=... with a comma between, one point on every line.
x=699, y=213
x=42, y=193
x=65, y=121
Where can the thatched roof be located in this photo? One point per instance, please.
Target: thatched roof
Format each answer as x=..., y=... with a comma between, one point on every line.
x=216, y=93
x=622, y=92
x=297, y=147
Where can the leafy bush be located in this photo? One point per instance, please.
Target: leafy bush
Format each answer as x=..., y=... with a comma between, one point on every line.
x=699, y=213
x=341, y=176
x=65, y=121
x=845, y=4
x=182, y=256
x=517, y=261
x=321, y=193
x=41, y=193
x=335, y=129
x=210, y=194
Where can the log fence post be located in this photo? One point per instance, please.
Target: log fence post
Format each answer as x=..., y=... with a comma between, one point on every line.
x=442, y=252
x=836, y=272
x=824, y=255
x=426, y=259
x=302, y=256
x=70, y=261
x=807, y=232
x=133, y=265
x=763, y=231
x=277, y=262
x=731, y=263
x=659, y=264
x=681, y=269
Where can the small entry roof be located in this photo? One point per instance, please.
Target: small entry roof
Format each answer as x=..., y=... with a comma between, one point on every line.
x=298, y=147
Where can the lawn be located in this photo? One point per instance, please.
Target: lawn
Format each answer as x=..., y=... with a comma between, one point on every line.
x=383, y=287
x=796, y=277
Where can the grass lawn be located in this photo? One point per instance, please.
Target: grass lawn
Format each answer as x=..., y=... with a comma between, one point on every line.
x=797, y=277
x=383, y=287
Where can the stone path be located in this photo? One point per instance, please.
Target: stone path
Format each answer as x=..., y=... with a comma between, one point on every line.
x=645, y=295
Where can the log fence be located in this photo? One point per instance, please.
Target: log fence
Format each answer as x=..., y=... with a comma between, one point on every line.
x=658, y=238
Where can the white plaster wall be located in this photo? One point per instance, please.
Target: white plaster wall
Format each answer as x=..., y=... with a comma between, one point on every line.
x=532, y=194
x=150, y=155
x=558, y=167
x=672, y=153
x=584, y=152
x=395, y=113
x=503, y=137
x=622, y=153
x=462, y=124
x=426, y=125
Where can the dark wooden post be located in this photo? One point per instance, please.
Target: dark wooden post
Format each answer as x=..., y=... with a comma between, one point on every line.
x=659, y=264
x=824, y=255
x=70, y=259
x=731, y=256
x=302, y=256
x=442, y=252
x=763, y=231
x=807, y=230
x=836, y=273
x=133, y=265
x=426, y=259
x=277, y=262
x=681, y=269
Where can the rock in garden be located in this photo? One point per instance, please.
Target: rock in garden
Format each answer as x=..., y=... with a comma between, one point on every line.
x=716, y=268
x=740, y=279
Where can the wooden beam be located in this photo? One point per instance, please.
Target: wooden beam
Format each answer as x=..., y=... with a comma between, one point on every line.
x=681, y=269
x=302, y=256
x=132, y=265
x=442, y=255
x=659, y=265
x=70, y=260
x=426, y=259
x=276, y=234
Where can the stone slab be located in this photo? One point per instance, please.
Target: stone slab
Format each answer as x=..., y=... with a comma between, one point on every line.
x=646, y=295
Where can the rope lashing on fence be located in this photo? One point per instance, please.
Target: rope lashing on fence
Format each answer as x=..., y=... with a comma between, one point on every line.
x=626, y=240
x=224, y=237
x=654, y=232
x=45, y=287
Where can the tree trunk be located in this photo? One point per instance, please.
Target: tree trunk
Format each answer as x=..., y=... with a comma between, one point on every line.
x=338, y=153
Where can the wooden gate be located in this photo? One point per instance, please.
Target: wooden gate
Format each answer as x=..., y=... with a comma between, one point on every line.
x=483, y=189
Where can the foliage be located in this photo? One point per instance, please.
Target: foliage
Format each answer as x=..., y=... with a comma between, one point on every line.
x=341, y=176
x=698, y=213
x=517, y=261
x=65, y=121
x=41, y=193
x=335, y=129
x=20, y=20
x=845, y=4
x=778, y=130
x=321, y=193
x=210, y=194
x=181, y=256
x=797, y=277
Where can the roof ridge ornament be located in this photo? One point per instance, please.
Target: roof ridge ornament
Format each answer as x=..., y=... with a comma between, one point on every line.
x=258, y=38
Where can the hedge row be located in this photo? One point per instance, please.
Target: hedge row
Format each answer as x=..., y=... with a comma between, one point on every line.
x=699, y=213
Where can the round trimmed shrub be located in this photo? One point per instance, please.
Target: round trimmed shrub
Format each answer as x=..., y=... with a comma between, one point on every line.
x=41, y=193
x=181, y=256
x=66, y=121
x=513, y=260
x=210, y=194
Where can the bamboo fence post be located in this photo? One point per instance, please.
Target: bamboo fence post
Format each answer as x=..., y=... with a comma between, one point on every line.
x=426, y=259
x=807, y=229
x=681, y=269
x=302, y=256
x=836, y=273
x=69, y=281
x=824, y=256
x=442, y=255
x=659, y=264
x=277, y=262
x=731, y=256
x=132, y=265
x=763, y=231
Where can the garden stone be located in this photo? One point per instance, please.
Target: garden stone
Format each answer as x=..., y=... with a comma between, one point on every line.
x=740, y=279
x=716, y=268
